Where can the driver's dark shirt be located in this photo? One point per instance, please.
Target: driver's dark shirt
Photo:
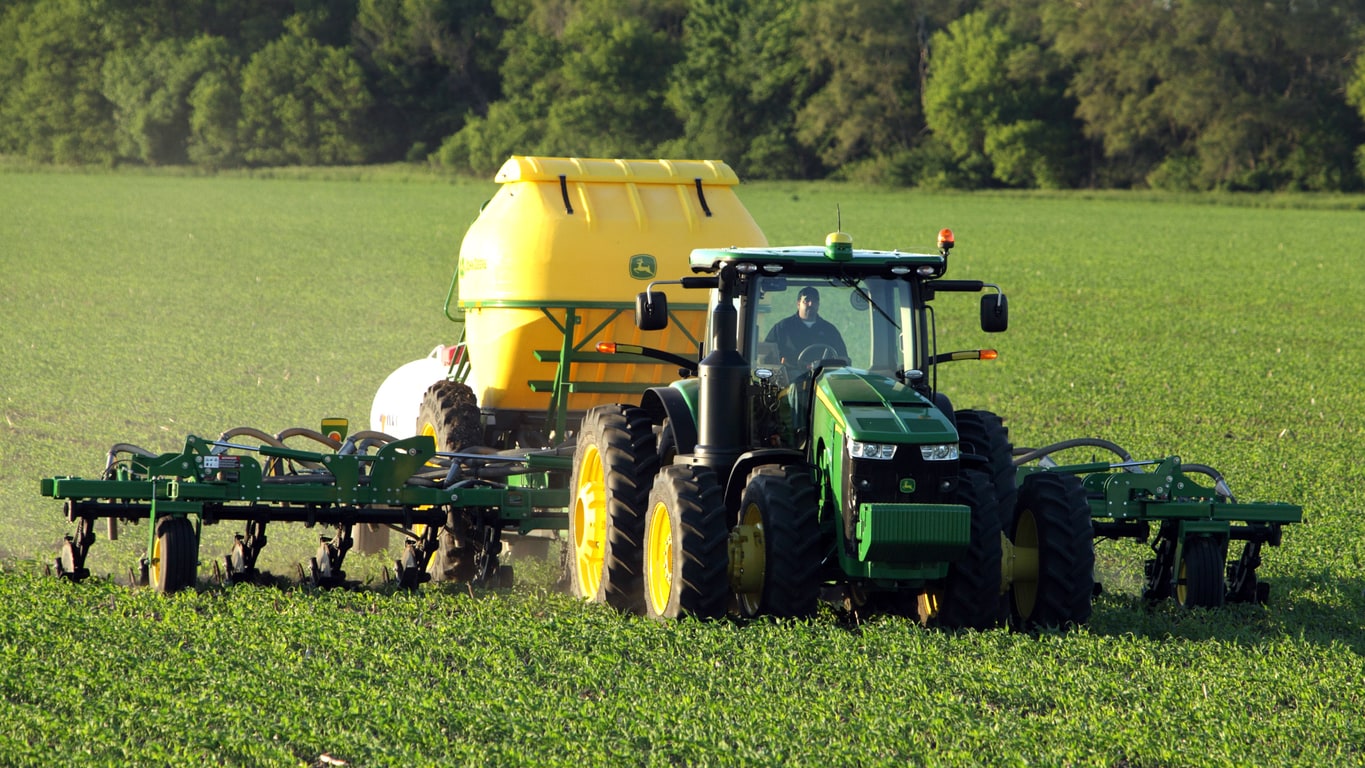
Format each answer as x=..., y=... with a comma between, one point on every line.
x=791, y=335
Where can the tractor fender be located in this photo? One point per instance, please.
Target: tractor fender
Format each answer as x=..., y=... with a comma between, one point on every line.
x=672, y=404
x=746, y=463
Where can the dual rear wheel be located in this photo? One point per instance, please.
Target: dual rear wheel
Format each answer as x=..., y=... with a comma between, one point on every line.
x=684, y=555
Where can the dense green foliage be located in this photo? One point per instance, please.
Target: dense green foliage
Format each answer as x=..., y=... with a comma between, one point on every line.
x=140, y=308
x=1182, y=95
x=97, y=675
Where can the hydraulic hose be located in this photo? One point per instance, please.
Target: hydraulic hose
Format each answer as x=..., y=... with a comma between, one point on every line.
x=1025, y=455
x=1220, y=485
x=119, y=448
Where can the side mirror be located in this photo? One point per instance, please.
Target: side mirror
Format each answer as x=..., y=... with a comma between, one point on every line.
x=651, y=311
x=995, y=313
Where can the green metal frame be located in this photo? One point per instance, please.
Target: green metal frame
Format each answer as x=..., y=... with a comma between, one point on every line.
x=566, y=318
x=1164, y=492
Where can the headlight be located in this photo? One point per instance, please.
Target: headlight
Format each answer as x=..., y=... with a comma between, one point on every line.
x=882, y=451
x=939, y=452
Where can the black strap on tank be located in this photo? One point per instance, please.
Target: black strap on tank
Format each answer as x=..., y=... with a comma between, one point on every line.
x=701, y=196
x=564, y=192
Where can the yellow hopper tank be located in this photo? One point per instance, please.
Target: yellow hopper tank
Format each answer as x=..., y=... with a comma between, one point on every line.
x=554, y=261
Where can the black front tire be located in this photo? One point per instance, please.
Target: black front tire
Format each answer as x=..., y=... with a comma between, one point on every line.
x=970, y=595
x=450, y=414
x=685, y=558
x=778, y=511
x=463, y=552
x=1052, y=517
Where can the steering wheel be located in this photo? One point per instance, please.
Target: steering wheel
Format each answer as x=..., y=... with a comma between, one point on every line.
x=815, y=353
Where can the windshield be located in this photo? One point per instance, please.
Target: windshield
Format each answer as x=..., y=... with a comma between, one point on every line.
x=800, y=320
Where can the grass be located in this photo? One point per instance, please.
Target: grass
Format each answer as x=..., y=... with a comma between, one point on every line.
x=139, y=308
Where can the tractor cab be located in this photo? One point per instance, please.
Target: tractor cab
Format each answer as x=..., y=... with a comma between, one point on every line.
x=828, y=325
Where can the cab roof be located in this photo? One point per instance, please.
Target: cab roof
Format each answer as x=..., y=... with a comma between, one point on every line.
x=814, y=259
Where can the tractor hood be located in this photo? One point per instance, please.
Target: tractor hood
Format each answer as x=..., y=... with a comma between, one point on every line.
x=873, y=408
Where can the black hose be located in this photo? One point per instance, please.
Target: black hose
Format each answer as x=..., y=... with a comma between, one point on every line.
x=1025, y=455
x=252, y=432
x=1220, y=485
x=118, y=448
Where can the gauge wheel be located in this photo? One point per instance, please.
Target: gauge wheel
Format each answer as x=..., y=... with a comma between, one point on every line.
x=1199, y=579
x=175, y=555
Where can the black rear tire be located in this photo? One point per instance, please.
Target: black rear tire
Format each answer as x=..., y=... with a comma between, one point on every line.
x=685, y=558
x=985, y=434
x=614, y=463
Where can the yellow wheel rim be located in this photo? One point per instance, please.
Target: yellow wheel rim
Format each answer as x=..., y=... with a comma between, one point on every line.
x=1026, y=550
x=749, y=556
x=659, y=559
x=1181, y=591
x=154, y=566
x=429, y=430
x=588, y=523
x=926, y=607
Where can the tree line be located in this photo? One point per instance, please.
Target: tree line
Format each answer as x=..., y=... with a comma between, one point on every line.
x=1171, y=94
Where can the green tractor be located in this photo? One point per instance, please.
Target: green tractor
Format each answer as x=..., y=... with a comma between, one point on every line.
x=793, y=464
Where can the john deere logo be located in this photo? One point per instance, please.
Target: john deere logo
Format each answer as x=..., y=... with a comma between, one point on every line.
x=907, y=485
x=643, y=266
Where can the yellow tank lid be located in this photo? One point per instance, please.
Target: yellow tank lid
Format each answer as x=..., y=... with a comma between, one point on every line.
x=522, y=168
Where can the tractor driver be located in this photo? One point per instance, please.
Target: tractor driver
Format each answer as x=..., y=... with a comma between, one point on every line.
x=806, y=337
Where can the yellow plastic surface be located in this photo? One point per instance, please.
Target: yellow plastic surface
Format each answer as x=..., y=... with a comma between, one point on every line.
x=631, y=221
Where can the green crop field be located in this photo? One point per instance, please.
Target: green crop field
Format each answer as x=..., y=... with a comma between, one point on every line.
x=141, y=308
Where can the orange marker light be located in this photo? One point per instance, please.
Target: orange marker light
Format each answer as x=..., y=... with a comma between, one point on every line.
x=989, y=354
x=617, y=348
x=945, y=239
